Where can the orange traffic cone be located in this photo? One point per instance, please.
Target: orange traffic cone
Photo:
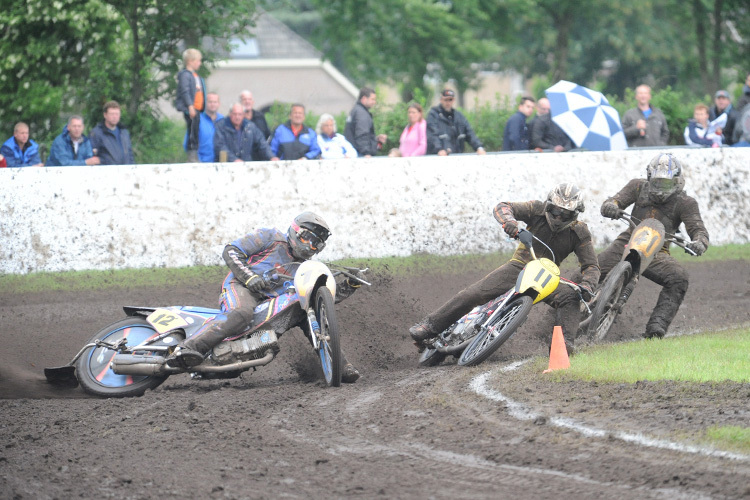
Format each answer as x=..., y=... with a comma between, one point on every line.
x=558, y=355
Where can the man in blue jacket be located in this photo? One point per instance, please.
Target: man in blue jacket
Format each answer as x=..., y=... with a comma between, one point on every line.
x=294, y=140
x=111, y=143
x=239, y=139
x=208, y=121
x=19, y=150
x=72, y=147
x=516, y=134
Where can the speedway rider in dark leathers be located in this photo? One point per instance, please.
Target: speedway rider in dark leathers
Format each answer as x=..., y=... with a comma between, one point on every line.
x=659, y=196
x=553, y=221
x=244, y=288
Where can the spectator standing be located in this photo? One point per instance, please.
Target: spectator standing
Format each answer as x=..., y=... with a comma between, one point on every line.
x=207, y=128
x=332, y=144
x=722, y=105
x=516, y=133
x=254, y=115
x=545, y=133
x=20, y=150
x=413, y=141
x=645, y=125
x=111, y=143
x=448, y=130
x=294, y=140
x=697, y=131
x=72, y=147
x=191, y=92
x=239, y=139
x=360, y=128
x=745, y=97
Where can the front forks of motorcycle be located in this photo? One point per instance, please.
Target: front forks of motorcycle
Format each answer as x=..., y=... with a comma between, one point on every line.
x=315, y=335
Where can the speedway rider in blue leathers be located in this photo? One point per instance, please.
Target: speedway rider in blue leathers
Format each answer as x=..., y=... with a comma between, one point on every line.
x=244, y=288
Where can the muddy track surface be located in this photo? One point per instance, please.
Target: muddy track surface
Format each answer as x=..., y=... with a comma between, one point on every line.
x=400, y=432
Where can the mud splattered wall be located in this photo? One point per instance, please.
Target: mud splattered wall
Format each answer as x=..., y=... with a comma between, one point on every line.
x=106, y=217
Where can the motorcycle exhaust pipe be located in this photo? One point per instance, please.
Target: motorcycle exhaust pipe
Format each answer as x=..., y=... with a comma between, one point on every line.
x=136, y=364
x=456, y=348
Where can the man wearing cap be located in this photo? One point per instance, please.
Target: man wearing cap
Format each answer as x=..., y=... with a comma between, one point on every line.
x=723, y=104
x=448, y=130
x=645, y=125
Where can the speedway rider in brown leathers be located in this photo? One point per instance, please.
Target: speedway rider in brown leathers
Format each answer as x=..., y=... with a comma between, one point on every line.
x=553, y=221
x=659, y=196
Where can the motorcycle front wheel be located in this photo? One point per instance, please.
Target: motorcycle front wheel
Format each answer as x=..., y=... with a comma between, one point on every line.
x=495, y=333
x=604, y=314
x=329, y=349
x=93, y=370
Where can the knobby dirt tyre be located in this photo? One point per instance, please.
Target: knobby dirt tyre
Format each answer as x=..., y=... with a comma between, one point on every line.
x=329, y=350
x=93, y=370
x=497, y=332
x=431, y=357
x=603, y=315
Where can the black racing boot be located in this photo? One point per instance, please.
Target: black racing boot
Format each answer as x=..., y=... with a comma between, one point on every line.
x=654, y=332
x=421, y=332
x=349, y=374
x=184, y=357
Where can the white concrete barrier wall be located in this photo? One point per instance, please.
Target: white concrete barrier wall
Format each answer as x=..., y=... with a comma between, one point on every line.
x=111, y=217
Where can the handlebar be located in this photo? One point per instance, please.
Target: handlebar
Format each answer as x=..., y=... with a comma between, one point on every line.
x=678, y=240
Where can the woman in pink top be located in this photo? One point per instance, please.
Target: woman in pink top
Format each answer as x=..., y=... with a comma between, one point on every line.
x=414, y=137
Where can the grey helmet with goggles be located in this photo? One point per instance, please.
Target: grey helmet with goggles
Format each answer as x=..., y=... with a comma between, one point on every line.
x=664, y=174
x=307, y=235
x=563, y=205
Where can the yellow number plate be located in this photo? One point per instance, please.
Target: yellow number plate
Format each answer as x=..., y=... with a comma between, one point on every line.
x=164, y=320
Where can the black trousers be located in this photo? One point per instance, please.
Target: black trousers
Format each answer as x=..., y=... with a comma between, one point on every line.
x=193, y=129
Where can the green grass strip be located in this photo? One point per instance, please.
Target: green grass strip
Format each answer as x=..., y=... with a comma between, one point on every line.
x=730, y=437
x=709, y=357
x=413, y=265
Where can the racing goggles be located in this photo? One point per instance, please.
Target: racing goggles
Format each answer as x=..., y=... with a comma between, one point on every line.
x=662, y=184
x=561, y=213
x=311, y=239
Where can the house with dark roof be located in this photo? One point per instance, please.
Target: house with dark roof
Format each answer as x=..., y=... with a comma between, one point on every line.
x=276, y=64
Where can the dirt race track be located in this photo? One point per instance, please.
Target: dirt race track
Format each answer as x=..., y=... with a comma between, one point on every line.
x=400, y=432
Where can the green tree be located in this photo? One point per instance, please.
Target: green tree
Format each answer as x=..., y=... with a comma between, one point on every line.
x=74, y=55
x=404, y=41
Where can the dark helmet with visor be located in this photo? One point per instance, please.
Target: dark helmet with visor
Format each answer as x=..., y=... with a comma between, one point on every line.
x=307, y=235
x=563, y=205
x=664, y=174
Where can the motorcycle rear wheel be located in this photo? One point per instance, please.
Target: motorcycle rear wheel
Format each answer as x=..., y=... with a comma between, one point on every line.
x=494, y=334
x=431, y=357
x=603, y=315
x=329, y=349
x=93, y=367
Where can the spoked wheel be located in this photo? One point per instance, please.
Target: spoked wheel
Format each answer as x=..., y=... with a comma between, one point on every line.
x=329, y=349
x=604, y=314
x=93, y=370
x=431, y=357
x=497, y=332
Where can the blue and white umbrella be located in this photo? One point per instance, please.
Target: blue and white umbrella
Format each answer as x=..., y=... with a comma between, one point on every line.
x=586, y=116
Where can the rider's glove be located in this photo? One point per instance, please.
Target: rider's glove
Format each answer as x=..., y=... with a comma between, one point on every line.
x=586, y=291
x=610, y=210
x=511, y=228
x=697, y=247
x=255, y=283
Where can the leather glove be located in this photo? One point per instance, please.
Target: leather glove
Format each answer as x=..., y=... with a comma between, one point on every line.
x=255, y=283
x=511, y=228
x=697, y=247
x=586, y=292
x=610, y=210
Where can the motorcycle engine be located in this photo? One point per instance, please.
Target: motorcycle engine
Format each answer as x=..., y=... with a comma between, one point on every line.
x=246, y=348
